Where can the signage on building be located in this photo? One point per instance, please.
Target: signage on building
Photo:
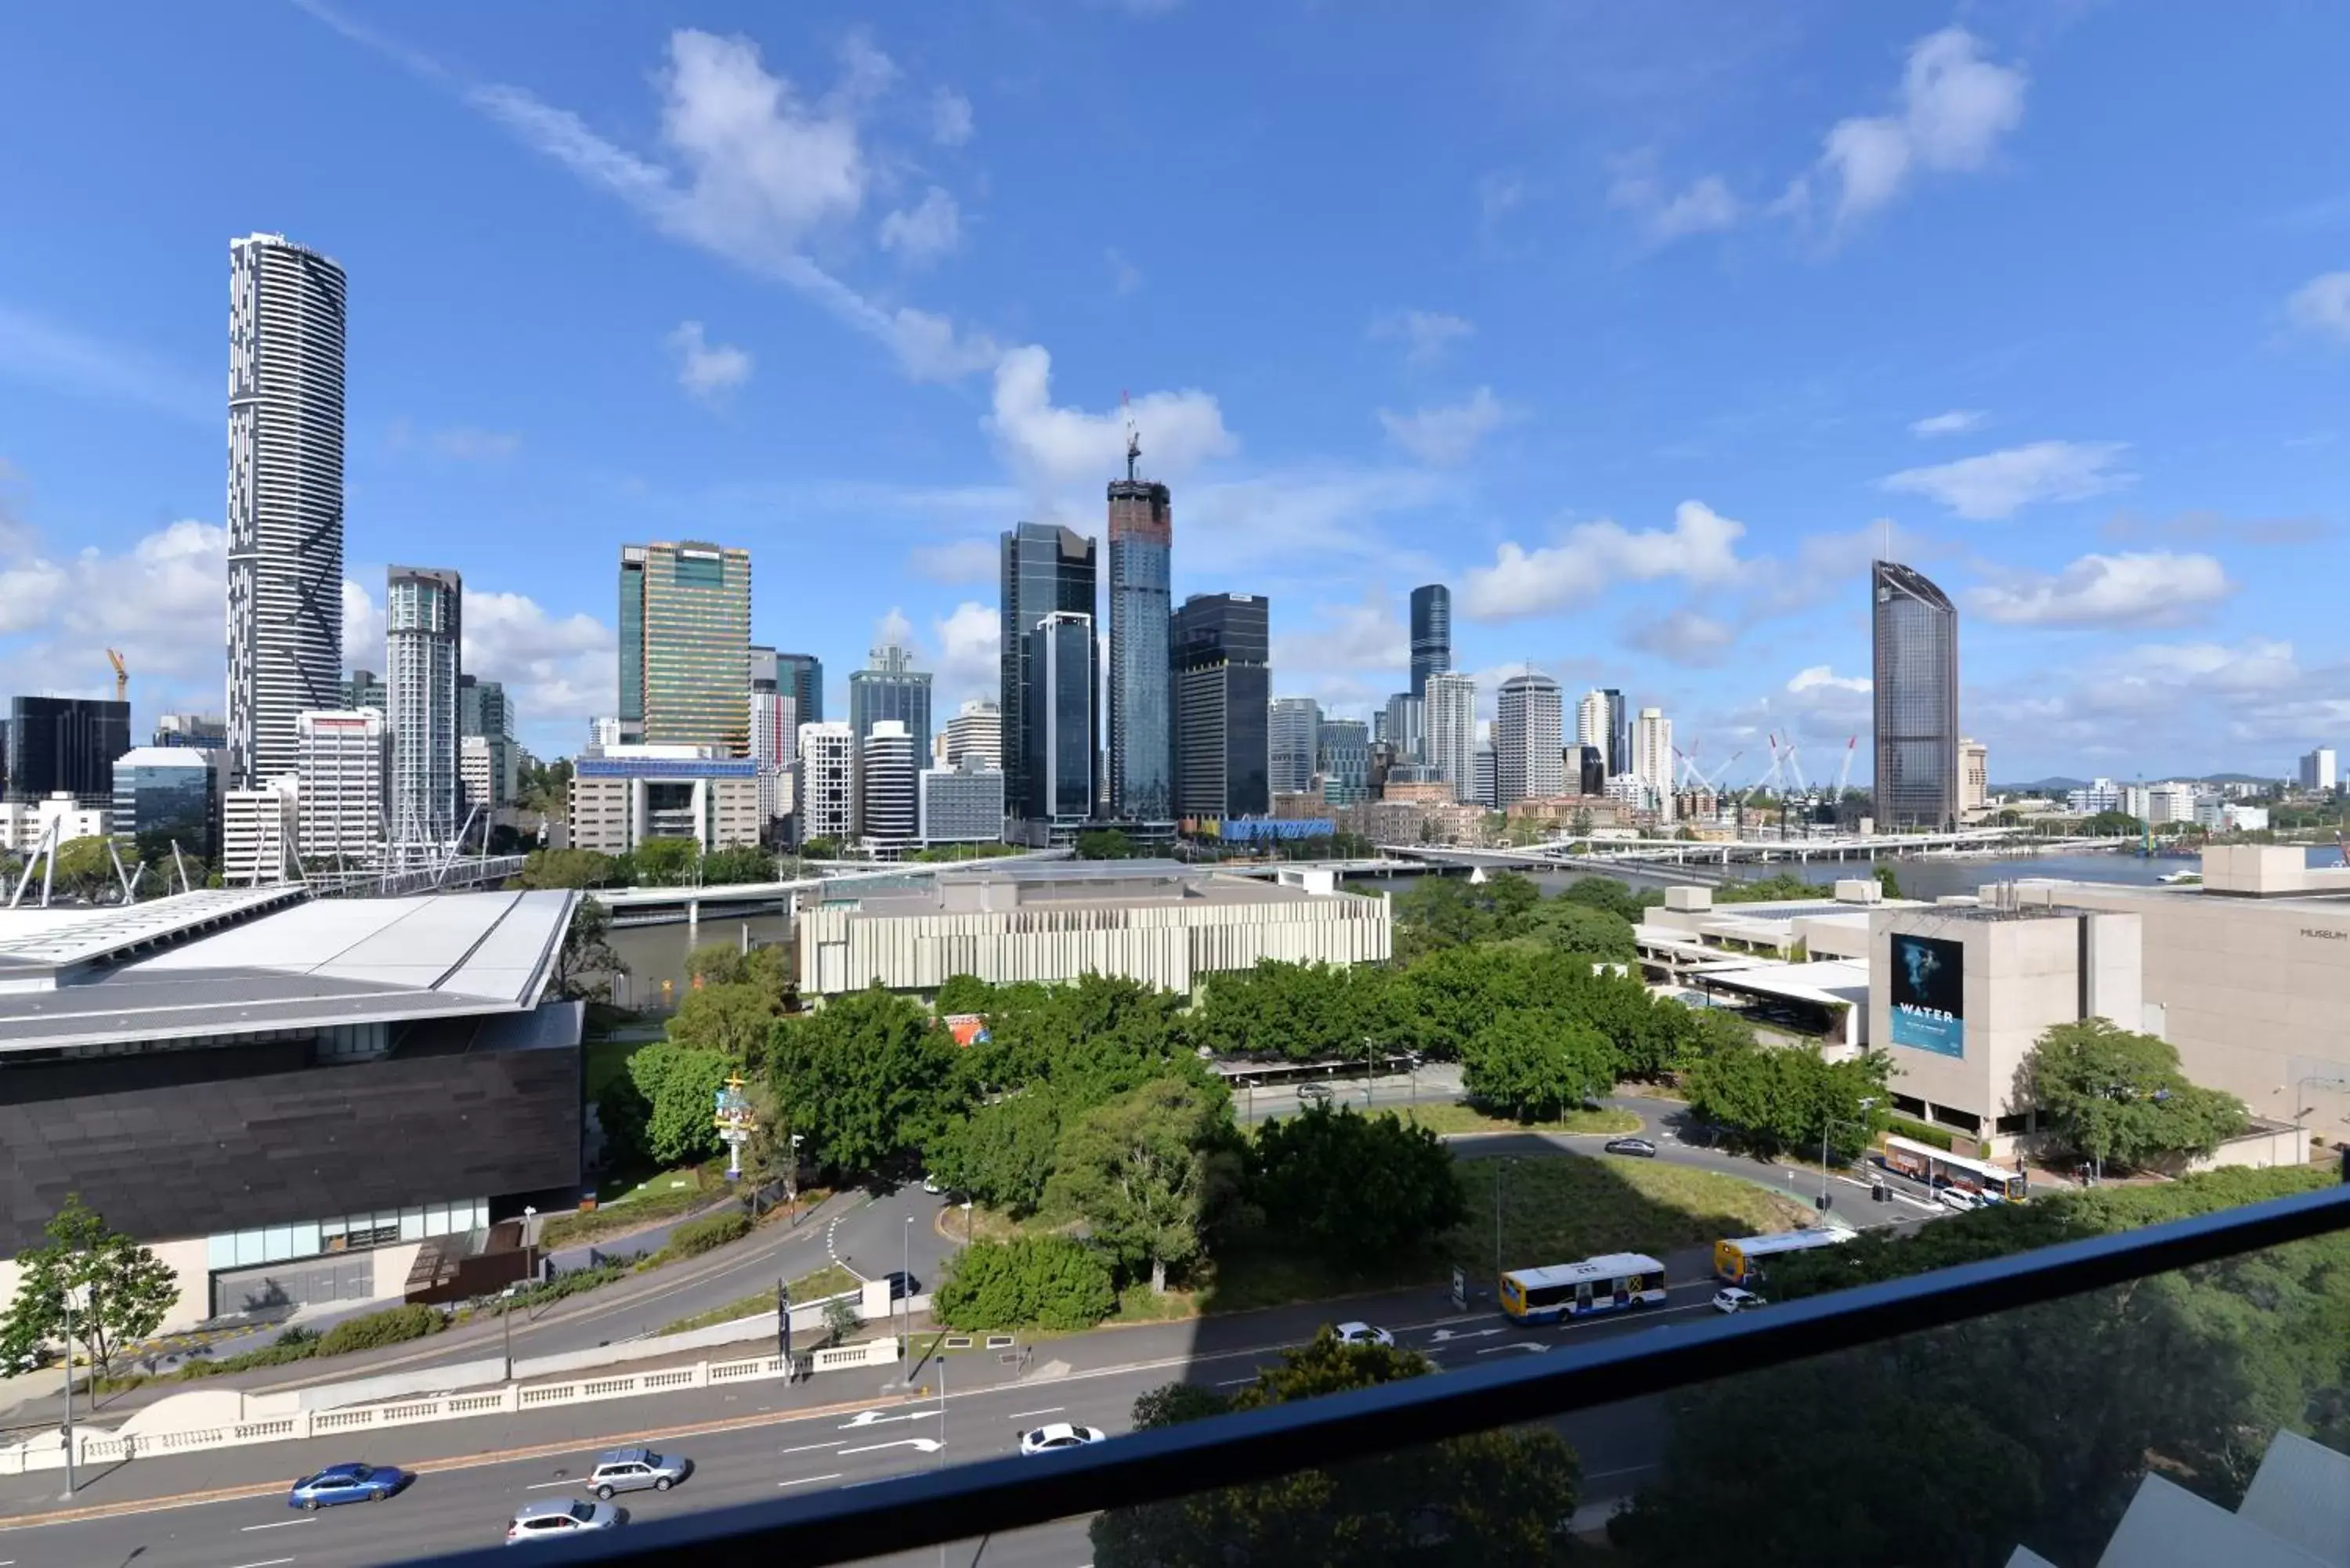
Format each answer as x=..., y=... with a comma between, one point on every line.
x=967, y=1028
x=1930, y=994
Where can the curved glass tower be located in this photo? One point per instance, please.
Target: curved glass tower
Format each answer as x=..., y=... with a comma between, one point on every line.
x=1431, y=635
x=1915, y=687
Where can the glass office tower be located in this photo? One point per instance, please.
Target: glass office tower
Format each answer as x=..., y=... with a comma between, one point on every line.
x=1046, y=571
x=1431, y=634
x=1915, y=642
x=1141, y=734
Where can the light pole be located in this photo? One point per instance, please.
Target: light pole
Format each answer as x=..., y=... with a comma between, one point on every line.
x=70, y=1293
x=1831, y=1123
x=906, y=1282
x=792, y=1179
x=1500, y=1174
x=1366, y=1074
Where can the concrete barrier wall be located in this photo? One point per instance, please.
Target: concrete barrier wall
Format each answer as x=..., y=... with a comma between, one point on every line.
x=394, y=1385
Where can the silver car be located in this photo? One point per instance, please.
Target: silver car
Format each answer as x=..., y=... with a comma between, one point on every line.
x=560, y=1519
x=636, y=1469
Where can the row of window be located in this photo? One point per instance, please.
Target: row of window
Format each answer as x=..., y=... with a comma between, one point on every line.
x=346, y=1234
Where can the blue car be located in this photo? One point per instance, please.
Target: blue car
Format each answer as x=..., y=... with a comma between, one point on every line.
x=345, y=1483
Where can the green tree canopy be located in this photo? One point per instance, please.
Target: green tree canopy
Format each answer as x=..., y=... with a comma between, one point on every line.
x=1053, y=1283
x=732, y=1020
x=1309, y=1013
x=866, y=1077
x=666, y=862
x=2114, y=1095
x=735, y=863
x=1781, y=1096
x=1001, y=1154
x=1149, y=1171
x=124, y=1289
x=1357, y=1190
x=1104, y=843
x=569, y=868
x=1537, y=1066
x=679, y=1087
x=586, y=965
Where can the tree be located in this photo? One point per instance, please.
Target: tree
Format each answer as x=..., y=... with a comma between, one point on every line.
x=820, y=849
x=731, y=1020
x=1781, y=1096
x=1536, y=1067
x=1047, y=1282
x=667, y=862
x=680, y=1086
x=1001, y=1154
x=569, y=868
x=1149, y=1171
x=2114, y=1095
x=83, y=869
x=1888, y=881
x=1571, y=927
x=125, y=1289
x=963, y=993
x=866, y=1077
x=735, y=863
x=1104, y=843
x=1308, y=1013
x=623, y=1111
x=1354, y=1190
x=842, y=1319
x=586, y=965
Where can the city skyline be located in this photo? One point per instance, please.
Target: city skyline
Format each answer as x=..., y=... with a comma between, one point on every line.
x=2121, y=559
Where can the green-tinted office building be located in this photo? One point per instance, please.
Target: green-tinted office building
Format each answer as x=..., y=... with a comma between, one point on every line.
x=685, y=646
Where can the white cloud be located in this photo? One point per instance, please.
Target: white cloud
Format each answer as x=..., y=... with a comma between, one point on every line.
x=970, y=659
x=1057, y=449
x=157, y=603
x=1125, y=276
x=1426, y=335
x=561, y=670
x=893, y=630
x=958, y=561
x=1955, y=423
x=1350, y=653
x=2156, y=589
x=44, y=353
x=1499, y=194
x=922, y=233
x=363, y=629
x=1997, y=483
x=2323, y=306
x=707, y=370
x=1700, y=547
x=1704, y=206
x=1823, y=678
x=1955, y=107
x=1683, y=637
x=1447, y=435
x=1273, y=521
x=949, y=118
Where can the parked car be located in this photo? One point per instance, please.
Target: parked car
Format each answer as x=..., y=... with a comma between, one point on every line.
x=32, y=1360
x=930, y=1185
x=345, y=1483
x=1633, y=1145
x=636, y=1469
x=902, y=1284
x=1363, y=1333
x=1059, y=1438
x=1957, y=1198
x=1731, y=1299
x=1318, y=1093
x=561, y=1519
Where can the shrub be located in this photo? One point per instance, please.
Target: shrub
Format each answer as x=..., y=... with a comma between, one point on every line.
x=1917, y=1132
x=1044, y=1282
x=394, y=1325
x=708, y=1233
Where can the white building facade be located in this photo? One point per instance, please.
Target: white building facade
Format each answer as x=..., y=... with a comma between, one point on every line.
x=1592, y=729
x=1652, y=759
x=976, y=730
x=1529, y=762
x=1448, y=716
x=344, y=764
x=422, y=612
x=827, y=780
x=890, y=814
x=2317, y=770
x=963, y=804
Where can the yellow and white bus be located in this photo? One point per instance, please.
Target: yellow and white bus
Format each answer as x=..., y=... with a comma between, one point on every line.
x=1594, y=1284
x=1939, y=1169
x=1740, y=1261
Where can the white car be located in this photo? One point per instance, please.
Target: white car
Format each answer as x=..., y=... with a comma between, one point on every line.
x=1957, y=1198
x=561, y=1519
x=1363, y=1333
x=1731, y=1299
x=1058, y=1437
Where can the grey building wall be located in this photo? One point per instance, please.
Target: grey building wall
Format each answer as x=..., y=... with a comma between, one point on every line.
x=1223, y=761
x=1045, y=571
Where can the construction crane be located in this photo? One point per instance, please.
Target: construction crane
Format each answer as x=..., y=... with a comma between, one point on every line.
x=122, y=676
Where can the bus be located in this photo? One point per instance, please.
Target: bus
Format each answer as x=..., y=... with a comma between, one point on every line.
x=1594, y=1284
x=1740, y=1262
x=1939, y=1168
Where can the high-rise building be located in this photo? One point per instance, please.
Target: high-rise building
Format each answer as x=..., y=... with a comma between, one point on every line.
x=1223, y=760
x=1487, y=789
x=1652, y=760
x=632, y=792
x=201, y=730
x=1589, y=770
x=1974, y=774
x=1431, y=634
x=1046, y=571
x=1294, y=734
x=1141, y=718
x=423, y=614
x=1619, y=731
x=1528, y=720
x=604, y=731
x=685, y=645
x=827, y=780
x=962, y=804
x=286, y=328
x=259, y=829
x=1915, y=693
x=1448, y=716
x=887, y=689
x=168, y=795
x=1345, y=762
x=363, y=688
x=485, y=712
x=774, y=746
x=1593, y=727
x=976, y=730
x=1056, y=720
x=342, y=759
x=1405, y=727
x=483, y=708
x=890, y=812
x=800, y=676
x=66, y=746
x=764, y=668
x=2317, y=770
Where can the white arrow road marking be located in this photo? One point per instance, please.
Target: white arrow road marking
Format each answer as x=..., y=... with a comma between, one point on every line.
x=875, y=1418
x=811, y=1481
x=1024, y=1415
x=280, y=1524
x=1441, y=1335
x=542, y=1486
x=1521, y=1345
x=810, y=1447
x=269, y=1562
x=928, y=1445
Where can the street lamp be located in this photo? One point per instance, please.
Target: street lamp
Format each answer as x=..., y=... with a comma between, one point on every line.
x=792, y=1179
x=906, y=1282
x=1831, y=1123
x=1500, y=1174
x=70, y=1294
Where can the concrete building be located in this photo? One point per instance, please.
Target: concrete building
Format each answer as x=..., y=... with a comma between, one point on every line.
x=775, y=747
x=1915, y=690
x=1404, y=727
x=363, y=688
x=484, y=708
x=201, y=730
x=891, y=813
x=423, y=632
x=2102, y=794
x=1974, y=777
x=477, y=774
x=258, y=830
x=1223, y=758
x=65, y=744
x=343, y=766
x=168, y=795
x=23, y=823
x=289, y=1101
x=1652, y=760
x=685, y=646
x=285, y=524
x=1593, y=728
x=1449, y=712
x=1046, y=571
x=1486, y=772
x=1344, y=761
x=976, y=730
x=1431, y=635
x=632, y=792
x=1139, y=780
x=1294, y=739
x=888, y=689
x=604, y=731
x=1527, y=738
x=2158, y=805
x=962, y=804
x=827, y=783
x=1157, y=921
x=2215, y=814
x=2317, y=771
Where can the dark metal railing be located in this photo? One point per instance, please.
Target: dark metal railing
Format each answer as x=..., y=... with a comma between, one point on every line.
x=962, y=1502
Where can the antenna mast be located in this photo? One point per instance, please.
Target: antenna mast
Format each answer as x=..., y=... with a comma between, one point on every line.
x=1133, y=437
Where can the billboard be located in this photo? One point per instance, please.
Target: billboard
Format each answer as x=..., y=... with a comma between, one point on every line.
x=1930, y=994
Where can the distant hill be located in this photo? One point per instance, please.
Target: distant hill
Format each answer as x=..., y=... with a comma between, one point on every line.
x=2041, y=786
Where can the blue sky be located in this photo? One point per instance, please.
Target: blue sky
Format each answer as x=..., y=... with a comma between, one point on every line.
x=1640, y=325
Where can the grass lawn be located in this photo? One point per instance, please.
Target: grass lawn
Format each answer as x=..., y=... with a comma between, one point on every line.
x=829, y=1280
x=623, y=1207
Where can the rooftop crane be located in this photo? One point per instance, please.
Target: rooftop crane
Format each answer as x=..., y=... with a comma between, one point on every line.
x=122, y=676
x=1844, y=774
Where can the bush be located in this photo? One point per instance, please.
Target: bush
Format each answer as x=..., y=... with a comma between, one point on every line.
x=395, y=1325
x=696, y=1237
x=1917, y=1132
x=1044, y=1282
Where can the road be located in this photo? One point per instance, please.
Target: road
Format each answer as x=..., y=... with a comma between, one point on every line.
x=226, y=1509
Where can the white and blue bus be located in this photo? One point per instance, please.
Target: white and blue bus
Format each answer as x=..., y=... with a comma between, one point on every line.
x=1594, y=1284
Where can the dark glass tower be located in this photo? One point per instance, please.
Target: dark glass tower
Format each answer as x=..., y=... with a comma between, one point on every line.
x=1431, y=635
x=1141, y=732
x=1047, y=571
x=1057, y=759
x=65, y=745
x=1223, y=692
x=1915, y=687
x=802, y=676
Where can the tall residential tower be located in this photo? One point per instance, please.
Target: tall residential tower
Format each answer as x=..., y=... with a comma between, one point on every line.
x=1528, y=762
x=1916, y=691
x=1431, y=634
x=1142, y=718
x=422, y=609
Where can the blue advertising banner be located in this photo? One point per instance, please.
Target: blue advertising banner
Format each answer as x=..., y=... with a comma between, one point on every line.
x=1930, y=994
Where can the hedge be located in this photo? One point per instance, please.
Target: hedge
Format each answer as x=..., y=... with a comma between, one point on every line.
x=1044, y=1282
x=394, y=1325
x=696, y=1237
x=1918, y=1132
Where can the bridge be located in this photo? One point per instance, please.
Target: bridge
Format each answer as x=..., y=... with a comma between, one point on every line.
x=1665, y=855
x=732, y=900
x=449, y=877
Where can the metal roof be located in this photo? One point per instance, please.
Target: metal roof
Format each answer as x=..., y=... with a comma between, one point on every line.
x=58, y=936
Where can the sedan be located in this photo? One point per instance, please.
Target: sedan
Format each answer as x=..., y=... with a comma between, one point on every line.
x=1633, y=1145
x=1957, y=1198
x=1313, y=1093
x=1734, y=1300
x=345, y=1483
x=902, y=1284
x=1059, y=1438
x=1363, y=1333
x=562, y=1519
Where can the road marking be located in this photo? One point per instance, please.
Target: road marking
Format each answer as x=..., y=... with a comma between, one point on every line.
x=1442, y=1335
x=251, y=1528
x=1234, y=1381
x=542, y=1486
x=928, y=1445
x=809, y=1448
x=1048, y=1410
x=876, y=1419
x=811, y=1481
x=1514, y=1344
x=269, y=1562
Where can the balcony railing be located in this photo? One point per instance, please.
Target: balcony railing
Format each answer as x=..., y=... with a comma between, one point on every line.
x=966, y=1504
